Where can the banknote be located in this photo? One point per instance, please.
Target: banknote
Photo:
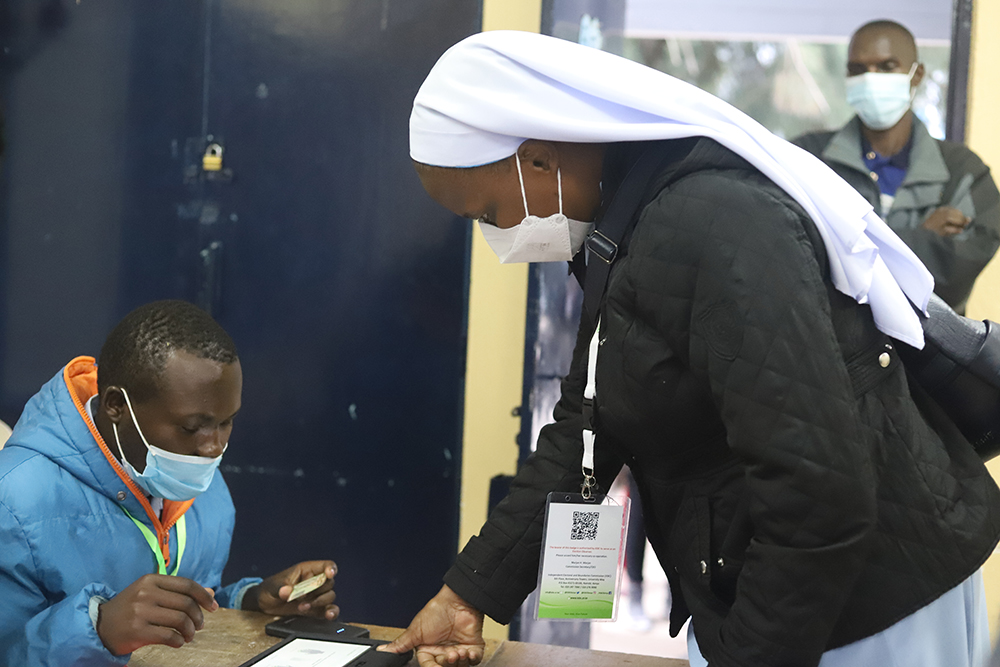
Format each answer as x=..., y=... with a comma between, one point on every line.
x=307, y=586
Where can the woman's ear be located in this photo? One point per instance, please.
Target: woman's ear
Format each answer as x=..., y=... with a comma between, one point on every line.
x=113, y=404
x=538, y=155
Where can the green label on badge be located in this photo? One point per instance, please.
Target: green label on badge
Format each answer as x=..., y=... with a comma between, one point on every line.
x=558, y=606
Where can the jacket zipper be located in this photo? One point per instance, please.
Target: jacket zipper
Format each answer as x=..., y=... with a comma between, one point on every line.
x=162, y=533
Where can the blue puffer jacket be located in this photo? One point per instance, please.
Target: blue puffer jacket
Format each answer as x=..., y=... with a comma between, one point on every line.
x=65, y=539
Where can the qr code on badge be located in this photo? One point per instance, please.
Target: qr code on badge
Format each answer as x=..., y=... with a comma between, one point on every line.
x=584, y=526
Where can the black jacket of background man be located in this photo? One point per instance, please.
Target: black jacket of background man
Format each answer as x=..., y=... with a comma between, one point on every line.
x=794, y=492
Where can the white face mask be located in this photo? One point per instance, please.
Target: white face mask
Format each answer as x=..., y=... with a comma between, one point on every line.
x=881, y=98
x=552, y=239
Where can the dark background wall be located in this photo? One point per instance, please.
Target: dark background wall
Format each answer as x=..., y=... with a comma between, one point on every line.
x=343, y=285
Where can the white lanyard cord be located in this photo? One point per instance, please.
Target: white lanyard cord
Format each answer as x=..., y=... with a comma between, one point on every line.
x=589, y=393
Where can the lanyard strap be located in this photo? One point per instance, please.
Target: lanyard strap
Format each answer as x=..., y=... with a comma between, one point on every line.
x=161, y=565
x=589, y=393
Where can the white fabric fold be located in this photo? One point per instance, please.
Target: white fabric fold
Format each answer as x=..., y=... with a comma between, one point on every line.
x=492, y=91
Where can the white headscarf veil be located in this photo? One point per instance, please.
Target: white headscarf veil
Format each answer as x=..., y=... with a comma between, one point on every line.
x=492, y=91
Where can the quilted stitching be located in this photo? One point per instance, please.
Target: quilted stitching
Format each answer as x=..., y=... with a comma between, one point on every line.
x=828, y=474
x=860, y=513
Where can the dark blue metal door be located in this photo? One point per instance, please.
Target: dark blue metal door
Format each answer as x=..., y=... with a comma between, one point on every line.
x=341, y=282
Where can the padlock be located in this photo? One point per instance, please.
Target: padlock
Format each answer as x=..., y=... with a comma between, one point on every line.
x=212, y=160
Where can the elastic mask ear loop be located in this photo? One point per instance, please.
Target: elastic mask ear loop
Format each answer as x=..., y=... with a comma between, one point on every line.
x=913, y=89
x=559, y=184
x=520, y=177
x=114, y=428
x=524, y=195
x=135, y=421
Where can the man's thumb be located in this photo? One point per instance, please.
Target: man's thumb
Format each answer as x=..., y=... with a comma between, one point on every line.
x=401, y=644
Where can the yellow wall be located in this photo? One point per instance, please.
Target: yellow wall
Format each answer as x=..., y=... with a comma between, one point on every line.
x=984, y=138
x=495, y=362
x=984, y=133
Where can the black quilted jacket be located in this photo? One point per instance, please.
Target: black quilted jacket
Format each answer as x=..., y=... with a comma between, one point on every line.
x=800, y=495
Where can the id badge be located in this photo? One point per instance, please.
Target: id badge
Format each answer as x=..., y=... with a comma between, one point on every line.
x=583, y=557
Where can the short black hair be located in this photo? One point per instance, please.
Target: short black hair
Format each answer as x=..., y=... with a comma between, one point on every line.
x=136, y=351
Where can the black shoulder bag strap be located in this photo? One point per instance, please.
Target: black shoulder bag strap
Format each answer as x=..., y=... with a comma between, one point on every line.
x=604, y=245
x=611, y=229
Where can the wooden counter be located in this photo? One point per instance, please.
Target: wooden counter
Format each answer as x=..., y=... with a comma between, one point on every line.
x=230, y=638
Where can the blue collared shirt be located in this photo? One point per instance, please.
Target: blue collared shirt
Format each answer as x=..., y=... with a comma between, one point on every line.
x=890, y=171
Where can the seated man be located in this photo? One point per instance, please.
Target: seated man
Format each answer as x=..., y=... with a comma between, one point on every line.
x=938, y=196
x=114, y=520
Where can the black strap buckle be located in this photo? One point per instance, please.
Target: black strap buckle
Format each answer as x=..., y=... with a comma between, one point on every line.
x=587, y=413
x=602, y=246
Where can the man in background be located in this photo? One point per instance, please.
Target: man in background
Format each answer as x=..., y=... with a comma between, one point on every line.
x=938, y=196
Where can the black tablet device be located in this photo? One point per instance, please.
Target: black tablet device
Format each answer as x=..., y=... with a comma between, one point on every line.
x=320, y=653
x=309, y=627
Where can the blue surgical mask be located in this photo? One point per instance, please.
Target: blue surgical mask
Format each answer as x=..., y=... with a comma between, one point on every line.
x=168, y=475
x=881, y=98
